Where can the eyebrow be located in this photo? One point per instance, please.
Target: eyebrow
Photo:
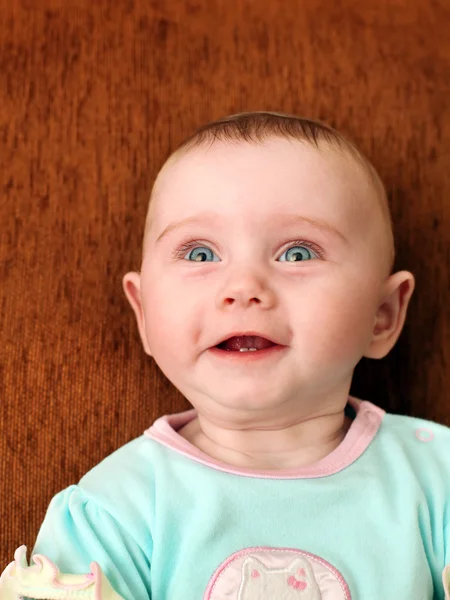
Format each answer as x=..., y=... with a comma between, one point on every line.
x=288, y=219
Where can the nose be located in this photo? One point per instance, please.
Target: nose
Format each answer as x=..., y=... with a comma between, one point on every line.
x=246, y=288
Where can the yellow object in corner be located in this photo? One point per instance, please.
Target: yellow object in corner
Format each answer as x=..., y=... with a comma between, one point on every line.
x=43, y=581
x=446, y=581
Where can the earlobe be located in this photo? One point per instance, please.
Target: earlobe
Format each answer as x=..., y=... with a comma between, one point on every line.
x=131, y=284
x=391, y=314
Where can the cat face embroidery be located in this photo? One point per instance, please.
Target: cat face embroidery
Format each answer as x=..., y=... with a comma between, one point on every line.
x=296, y=581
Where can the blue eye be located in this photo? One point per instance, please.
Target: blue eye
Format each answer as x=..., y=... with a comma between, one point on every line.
x=200, y=256
x=297, y=253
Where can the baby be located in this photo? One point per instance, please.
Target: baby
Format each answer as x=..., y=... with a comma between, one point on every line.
x=277, y=484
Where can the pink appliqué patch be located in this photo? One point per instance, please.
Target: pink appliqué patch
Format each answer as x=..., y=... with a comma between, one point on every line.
x=228, y=580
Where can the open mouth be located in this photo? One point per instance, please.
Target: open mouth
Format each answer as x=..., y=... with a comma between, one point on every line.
x=245, y=343
x=243, y=355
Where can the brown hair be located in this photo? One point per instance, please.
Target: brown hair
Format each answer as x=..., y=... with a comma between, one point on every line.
x=257, y=126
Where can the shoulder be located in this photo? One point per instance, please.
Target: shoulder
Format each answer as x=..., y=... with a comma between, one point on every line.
x=413, y=428
x=424, y=443
x=127, y=459
x=123, y=481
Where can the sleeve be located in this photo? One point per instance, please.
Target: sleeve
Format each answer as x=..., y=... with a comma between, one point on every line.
x=76, y=533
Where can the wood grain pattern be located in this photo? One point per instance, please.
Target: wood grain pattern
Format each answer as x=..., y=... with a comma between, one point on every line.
x=93, y=97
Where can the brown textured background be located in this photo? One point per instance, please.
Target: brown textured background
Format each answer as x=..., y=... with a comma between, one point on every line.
x=93, y=96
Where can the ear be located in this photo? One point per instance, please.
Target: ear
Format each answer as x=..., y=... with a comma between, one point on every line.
x=391, y=314
x=131, y=283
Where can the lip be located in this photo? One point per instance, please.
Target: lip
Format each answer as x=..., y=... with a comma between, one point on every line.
x=249, y=334
x=248, y=357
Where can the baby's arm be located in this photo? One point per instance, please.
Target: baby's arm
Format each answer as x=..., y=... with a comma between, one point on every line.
x=80, y=544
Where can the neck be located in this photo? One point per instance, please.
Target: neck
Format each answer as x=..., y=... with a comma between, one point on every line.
x=295, y=443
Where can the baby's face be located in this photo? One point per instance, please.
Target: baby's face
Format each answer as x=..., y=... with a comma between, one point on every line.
x=258, y=263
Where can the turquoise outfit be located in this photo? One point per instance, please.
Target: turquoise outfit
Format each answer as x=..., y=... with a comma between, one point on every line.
x=164, y=521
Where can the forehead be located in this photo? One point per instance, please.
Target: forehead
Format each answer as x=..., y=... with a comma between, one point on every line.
x=255, y=181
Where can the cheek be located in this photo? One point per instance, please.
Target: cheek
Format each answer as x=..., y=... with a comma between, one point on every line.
x=334, y=323
x=169, y=318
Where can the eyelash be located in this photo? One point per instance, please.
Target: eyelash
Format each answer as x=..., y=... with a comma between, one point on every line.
x=181, y=251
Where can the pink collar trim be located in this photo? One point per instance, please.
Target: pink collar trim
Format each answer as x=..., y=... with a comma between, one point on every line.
x=360, y=434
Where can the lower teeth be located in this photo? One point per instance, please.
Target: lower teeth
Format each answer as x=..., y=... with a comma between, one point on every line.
x=247, y=349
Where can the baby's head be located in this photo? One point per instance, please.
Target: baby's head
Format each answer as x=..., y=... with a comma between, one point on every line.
x=267, y=223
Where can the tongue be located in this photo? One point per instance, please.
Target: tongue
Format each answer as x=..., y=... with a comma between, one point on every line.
x=235, y=343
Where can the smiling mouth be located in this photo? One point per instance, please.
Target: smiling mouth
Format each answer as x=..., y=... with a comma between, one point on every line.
x=245, y=344
x=248, y=355
x=240, y=349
